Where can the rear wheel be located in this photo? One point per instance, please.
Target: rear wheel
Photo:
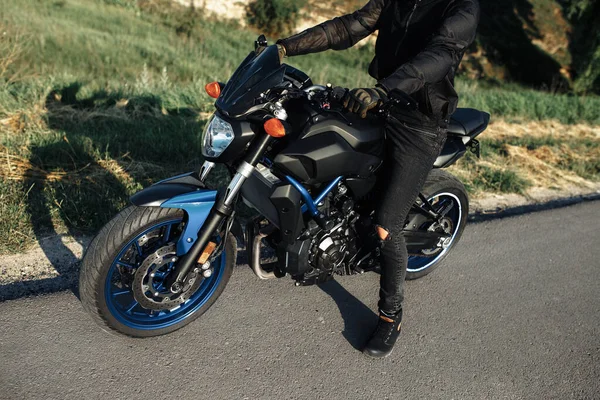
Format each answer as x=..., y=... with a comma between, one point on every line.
x=441, y=188
x=123, y=271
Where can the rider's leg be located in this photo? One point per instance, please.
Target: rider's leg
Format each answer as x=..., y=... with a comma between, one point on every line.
x=411, y=154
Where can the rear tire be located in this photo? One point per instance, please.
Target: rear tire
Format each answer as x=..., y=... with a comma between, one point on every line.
x=107, y=249
x=441, y=184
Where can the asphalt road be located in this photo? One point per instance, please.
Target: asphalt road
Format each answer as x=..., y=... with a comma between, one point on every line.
x=513, y=313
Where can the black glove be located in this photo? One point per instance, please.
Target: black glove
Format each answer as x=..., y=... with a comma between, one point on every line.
x=361, y=101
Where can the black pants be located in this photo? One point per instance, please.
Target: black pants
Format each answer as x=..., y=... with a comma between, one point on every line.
x=413, y=142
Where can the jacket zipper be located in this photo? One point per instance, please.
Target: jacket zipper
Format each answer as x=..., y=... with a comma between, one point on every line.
x=408, y=21
x=424, y=132
x=416, y=128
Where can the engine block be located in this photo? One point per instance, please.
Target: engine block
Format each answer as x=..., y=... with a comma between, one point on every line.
x=333, y=252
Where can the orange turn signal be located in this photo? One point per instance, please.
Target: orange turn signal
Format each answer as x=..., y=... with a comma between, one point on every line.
x=275, y=128
x=213, y=89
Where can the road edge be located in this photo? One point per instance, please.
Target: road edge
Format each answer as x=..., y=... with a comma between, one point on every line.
x=500, y=213
x=68, y=279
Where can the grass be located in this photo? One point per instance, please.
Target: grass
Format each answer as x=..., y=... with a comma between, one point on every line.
x=578, y=155
x=521, y=104
x=101, y=98
x=547, y=154
x=499, y=180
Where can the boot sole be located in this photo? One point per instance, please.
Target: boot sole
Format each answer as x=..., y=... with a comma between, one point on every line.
x=377, y=357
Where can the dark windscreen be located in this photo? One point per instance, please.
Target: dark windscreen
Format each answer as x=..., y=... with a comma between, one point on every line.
x=254, y=76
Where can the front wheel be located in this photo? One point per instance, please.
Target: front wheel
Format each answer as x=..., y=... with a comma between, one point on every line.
x=122, y=274
x=441, y=187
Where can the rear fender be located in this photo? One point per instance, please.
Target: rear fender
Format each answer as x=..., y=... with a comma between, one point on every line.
x=189, y=194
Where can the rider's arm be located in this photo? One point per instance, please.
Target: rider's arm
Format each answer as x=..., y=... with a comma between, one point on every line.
x=337, y=34
x=442, y=53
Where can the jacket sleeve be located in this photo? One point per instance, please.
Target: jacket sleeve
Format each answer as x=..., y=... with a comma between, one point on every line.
x=442, y=53
x=337, y=34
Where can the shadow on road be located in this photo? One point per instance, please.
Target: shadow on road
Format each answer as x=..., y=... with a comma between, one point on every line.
x=359, y=320
x=17, y=290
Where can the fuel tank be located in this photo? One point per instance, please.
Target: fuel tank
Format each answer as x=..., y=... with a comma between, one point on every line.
x=332, y=145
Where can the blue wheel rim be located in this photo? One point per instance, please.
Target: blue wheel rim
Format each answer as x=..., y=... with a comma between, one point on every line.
x=122, y=304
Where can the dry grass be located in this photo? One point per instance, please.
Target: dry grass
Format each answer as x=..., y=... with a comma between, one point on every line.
x=125, y=170
x=501, y=129
x=545, y=154
x=540, y=166
x=543, y=166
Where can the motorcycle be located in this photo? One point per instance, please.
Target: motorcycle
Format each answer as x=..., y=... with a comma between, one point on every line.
x=306, y=167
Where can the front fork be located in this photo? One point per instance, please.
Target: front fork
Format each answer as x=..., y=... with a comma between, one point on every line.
x=222, y=210
x=205, y=170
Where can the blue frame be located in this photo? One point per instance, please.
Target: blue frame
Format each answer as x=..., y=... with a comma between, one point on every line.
x=310, y=204
x=199, y=203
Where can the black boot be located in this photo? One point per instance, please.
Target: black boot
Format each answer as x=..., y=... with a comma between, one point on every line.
x=383, y=339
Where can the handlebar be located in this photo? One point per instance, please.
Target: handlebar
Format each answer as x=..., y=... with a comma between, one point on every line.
x=326, y=95
x=396, y=98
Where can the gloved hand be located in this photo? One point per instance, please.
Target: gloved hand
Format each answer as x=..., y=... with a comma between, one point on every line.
x=361, y=101
x=280, y=49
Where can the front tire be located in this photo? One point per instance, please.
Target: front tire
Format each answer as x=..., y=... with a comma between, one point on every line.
x=109, y=266
x=441, y=185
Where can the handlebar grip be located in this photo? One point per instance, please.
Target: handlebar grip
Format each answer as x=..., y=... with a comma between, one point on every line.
x=338, y=93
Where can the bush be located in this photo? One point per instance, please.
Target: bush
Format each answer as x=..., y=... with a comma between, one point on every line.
x=274, y=17
x=585, y=44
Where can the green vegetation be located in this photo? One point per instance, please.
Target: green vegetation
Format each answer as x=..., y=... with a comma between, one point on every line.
x=520, y=104
x=274, y=17
x=99, y=98
x=585, y=43
x=132, y=48
x=499, y=180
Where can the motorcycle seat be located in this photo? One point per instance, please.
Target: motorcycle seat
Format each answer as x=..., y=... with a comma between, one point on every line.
x=468, y=122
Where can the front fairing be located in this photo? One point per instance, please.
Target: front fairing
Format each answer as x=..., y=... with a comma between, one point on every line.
x=256, y=75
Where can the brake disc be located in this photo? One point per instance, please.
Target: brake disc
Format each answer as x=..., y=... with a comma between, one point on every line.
x=131, y=253
x=149, y=236
x=147, y=288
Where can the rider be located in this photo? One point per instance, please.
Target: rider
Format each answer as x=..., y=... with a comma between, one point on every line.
x=418, y=50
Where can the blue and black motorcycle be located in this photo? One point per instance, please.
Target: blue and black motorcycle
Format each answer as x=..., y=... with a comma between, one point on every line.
x=305, y=166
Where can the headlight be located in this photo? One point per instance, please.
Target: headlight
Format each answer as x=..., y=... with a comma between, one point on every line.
x=217, y=135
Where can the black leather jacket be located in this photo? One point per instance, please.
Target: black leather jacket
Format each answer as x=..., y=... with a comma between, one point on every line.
x=418, y=50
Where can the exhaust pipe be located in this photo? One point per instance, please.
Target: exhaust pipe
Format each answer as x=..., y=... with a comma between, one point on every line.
x=254, y=241
x=256, y=265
